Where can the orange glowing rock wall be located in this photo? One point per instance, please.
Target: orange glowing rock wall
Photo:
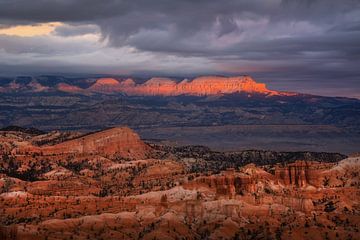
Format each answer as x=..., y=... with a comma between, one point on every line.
x=206, y=85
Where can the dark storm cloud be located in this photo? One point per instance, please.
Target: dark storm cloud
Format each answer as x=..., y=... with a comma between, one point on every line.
x=73, y=30
x=41, y=46
x=316, y=39
x=176, y=21
x=57, y=10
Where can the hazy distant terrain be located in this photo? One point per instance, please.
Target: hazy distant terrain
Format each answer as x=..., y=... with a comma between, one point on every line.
x=233, y=121
x=323, y=138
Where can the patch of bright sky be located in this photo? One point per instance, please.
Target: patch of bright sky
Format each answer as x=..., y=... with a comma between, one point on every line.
x=30, y=30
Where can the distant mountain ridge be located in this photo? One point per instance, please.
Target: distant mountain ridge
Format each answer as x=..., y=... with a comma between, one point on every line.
x=33, y=131
x=221, y=112
x=200, y=86
x=156, y=86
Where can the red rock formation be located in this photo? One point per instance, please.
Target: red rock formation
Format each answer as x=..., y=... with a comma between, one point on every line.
x=8, y=233
x=246, y=203
x=106, y=85
x=121, y=141
x=228, y=183
x=205, y=85
x=36, y=86
x=64, y=87
x=301, y=173
x=154, y=87
x=209, y=85
x=88, y=196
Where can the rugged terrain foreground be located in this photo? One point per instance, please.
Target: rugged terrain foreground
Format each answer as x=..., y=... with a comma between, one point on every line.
x=111, y=185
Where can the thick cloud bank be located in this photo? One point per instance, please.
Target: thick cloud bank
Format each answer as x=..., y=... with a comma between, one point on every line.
x=291, y=42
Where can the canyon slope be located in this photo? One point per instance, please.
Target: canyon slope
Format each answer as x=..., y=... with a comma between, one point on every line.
x=119, y=141
x=111, y=185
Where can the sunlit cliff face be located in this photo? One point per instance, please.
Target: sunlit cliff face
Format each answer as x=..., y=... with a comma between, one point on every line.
x=200, y=86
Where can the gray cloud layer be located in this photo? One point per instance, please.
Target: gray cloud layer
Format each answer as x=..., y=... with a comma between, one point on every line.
x=309, y=40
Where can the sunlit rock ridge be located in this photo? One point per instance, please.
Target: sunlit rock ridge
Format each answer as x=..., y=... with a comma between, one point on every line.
x=200, y=86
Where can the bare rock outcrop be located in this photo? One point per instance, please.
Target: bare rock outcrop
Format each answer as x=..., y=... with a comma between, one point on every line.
x=200, y=86
x=301, y=173
x=105, y=85
x=121, y=141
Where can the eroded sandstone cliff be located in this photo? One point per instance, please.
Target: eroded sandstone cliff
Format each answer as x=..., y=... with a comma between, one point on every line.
x=83, y=192
x=200, y=86
x=121, y=141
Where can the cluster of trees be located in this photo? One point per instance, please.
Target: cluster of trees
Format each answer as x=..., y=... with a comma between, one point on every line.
x=215, y=161
x=9, y=165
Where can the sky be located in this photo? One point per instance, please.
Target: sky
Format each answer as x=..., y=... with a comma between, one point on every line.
x=312, y=46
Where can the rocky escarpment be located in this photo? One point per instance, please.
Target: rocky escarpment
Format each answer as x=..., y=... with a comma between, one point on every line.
x=204, y=85
x=120, y=141
x=207, y=85
x=105, y=85
x=292, y=185
x=301, y=173
x=228, y=183
x=88, y=195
